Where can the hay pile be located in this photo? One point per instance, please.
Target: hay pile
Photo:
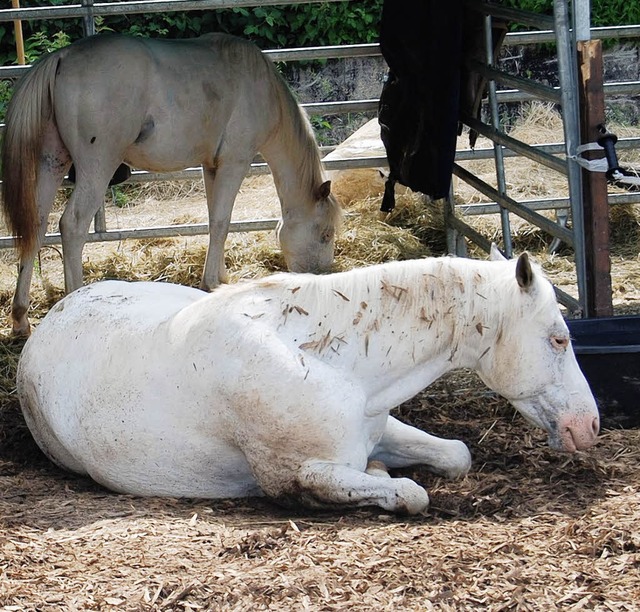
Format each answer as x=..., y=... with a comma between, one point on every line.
x=527, y=529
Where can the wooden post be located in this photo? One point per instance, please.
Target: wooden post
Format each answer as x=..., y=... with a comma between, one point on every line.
x=596, y=204
x=17, y=26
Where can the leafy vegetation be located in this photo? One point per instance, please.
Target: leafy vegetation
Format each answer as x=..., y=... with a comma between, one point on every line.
x=325, y=23
x=297, y=25
x=603, y=12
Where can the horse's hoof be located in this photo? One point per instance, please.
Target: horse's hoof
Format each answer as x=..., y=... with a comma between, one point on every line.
x=411, y=498
x=21, y=329
x=377, y=468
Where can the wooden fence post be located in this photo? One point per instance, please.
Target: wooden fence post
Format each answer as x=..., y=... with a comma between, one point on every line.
x=596, y=204
x=17, y=26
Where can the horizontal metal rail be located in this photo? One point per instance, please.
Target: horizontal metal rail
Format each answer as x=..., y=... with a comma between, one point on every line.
x=130, y=8
x=533, y=153
x=201, y=229
x=613, y=88
x=336, y=108
x=514, y=39
x=277, y=55
x=329, y=52
x=168, y=231
x=256, y=168
x=490, y=208
x=380, y=161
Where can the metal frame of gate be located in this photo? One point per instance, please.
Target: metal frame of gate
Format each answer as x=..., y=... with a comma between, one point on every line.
x=566, y=37
x=565, y=28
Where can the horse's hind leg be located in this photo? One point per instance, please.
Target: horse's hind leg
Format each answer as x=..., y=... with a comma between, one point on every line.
x=221, y=185
x=402, y=445
x=87, y=196
x=54, y=163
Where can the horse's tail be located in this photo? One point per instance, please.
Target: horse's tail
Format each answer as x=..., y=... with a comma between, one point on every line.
x=29, y=110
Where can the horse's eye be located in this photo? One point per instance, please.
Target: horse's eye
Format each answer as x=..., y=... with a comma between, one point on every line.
x=559, y=343
x=327, y=236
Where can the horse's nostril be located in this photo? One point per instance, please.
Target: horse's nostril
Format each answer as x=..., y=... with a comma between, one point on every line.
x=595, y=426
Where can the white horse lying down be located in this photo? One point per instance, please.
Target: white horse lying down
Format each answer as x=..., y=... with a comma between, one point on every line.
x=283, y=386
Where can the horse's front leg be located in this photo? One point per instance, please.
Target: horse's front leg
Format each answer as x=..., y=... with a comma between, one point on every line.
x=402, y=445
x=221, y=187
x=322, y=484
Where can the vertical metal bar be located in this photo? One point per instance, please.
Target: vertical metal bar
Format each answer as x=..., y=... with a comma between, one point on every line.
x=567, y=68
x=582, y=19
x=448, y=212
x=497, y=148
x=88, y=20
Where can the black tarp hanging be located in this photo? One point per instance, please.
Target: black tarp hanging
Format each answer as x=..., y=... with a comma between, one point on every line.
x=428, y=89
x=418, y=114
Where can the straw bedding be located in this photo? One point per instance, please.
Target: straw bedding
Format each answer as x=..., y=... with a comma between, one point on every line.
x=527, y=529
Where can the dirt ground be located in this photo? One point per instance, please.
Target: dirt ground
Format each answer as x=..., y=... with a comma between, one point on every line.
x=527, y=529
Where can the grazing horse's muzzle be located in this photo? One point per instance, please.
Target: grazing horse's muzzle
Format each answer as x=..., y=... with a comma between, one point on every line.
x=316, y=260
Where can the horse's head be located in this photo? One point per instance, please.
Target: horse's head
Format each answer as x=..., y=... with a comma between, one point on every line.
x=307, y=234
x=533, y=365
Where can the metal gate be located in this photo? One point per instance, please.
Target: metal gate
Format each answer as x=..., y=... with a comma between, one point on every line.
x=564, y=27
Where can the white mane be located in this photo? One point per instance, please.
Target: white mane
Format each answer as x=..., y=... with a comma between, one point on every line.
x=442, y=297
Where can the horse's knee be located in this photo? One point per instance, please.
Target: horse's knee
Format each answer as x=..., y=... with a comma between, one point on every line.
x=457, y=460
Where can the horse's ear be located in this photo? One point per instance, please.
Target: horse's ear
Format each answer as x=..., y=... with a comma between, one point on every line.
x=524, y=272
x=323, y=191
x=495, y=254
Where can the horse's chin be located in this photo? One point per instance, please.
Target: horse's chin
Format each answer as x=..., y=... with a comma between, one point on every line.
x=562, y=444
x=310, y=267
x=534, y=415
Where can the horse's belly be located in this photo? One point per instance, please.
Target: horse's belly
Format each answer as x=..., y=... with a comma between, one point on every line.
x=171, y=467
x=157, y=156
x=169, y=144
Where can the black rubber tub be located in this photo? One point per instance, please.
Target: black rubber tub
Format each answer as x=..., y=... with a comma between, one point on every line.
x=608, y=351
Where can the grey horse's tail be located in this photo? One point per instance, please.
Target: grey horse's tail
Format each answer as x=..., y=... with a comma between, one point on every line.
x=29, y=110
